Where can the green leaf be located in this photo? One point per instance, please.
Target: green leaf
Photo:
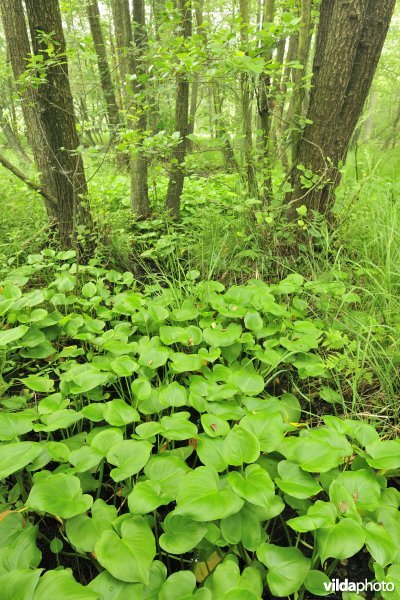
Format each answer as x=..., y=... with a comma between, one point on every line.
x=253, y=321
x=210, y=452
x=363, y=487
x=384, y=454
x=201, y=496
x=146, y=496
x=14, y=457
x=129, y=456
x=178, y=427
x=268, y=428
x=13, y=425
x=181, y=534
x=214, y=426
x=128, y=557
x=287, y=568
x=255, y=486
x=84, y=531
x=341, y=541
x=173, y=394
x=62, y=585
x=240, y=446
x=110, y=588
x=315, y=583
x=11, y=335
x=124, y=366
x=247, y=381
x=380, y=544
x=59, y=495
x=38, y=383
x=244, y=527
x=182, y=363
x=119, y=413
x=19, y=584
x=219, y=338
x=295, y=482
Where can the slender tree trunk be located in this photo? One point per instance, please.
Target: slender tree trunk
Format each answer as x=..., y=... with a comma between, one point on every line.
x=139, y=172
x=11, y=136
x=227, y=150
x=264, y=106
x=295, y=111
x=196, y=82
x=390, y=141
x=106, y=83
x=350, y=40
x=125, y=53
x=177, y=175
x=245, y=91
x=48, y=109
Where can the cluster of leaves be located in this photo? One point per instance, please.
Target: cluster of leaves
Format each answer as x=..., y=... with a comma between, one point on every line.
x=156, y=435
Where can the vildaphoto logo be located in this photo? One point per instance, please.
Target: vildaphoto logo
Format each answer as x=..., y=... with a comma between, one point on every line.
x=335, y=585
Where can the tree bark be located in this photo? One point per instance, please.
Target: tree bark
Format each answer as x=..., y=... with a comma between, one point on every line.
x=139, y=176
x=295, y=112
x=349, y=42
x=48, y=109
x=177, y=175
x=245, y=91
x=106, y=83
x=123, y=38
x=264, y=104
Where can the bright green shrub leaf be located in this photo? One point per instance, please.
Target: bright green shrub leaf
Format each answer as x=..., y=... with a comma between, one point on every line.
x=320, y=514
x=182, y=586
x=173, y=394
x=225, y=577
x=268, y=428
x=110, y=588
x=185, y=313
x=154, y=357
x=253, y=320
x=248, y=382
x=316, y=454
x=178, y=427
x=380, y=544
x=13, y=425
x=93, y=412
x=146, y=496
x=295, y=482
x=363, y=487
x=315, y=583
x=62, y=585
x=14, y=457
x=220, y=338
x=106, y=439
x=59, y=495
x=202, y=497
x=84, y=531
x=168, y=470
x=182, y=363
x=119, y=413
x=11, y=335
x=128, y=557
x=127, y=303
x=20, y=550
x=243, y=527
x=287, y=568
x=60, y=419
x=255, y=485
x=85, y=458
x=214, y=426
x=148, y=430
x=181, y=534
x=240, y=446
x=341, y=541
x=129, y=456
x=38, y=383
x=19, y=584
x=124, y=366
x=211, y=452
x=384, y=454
x=89, y=290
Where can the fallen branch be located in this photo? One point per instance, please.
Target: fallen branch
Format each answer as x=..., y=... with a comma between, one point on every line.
x=32, y=184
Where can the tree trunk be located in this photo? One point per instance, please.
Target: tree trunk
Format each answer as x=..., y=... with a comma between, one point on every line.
x=295, y=112
x=227, y=150
x=245, y=91
x=350, y=40
x=123, y=38
x=106, y=83
x=58, y=118
x=264, y=106
x=177, y=175
x=390, y=141
x=139, y=178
